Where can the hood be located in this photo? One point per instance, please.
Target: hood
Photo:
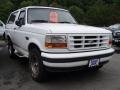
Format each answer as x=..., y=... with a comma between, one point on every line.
x=68, y=28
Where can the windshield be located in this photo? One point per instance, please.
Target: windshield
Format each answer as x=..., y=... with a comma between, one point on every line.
x=38, y=15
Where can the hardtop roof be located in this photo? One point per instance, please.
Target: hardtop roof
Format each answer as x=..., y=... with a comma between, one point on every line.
x=40, y=7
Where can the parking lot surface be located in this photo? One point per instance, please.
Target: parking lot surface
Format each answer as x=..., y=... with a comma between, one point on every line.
x=15, y=75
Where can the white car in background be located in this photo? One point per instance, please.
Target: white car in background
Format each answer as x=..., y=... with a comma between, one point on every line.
x=2, y=28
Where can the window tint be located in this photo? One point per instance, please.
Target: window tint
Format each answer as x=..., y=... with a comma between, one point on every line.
x=22, y=16
x=38, y=15
x=12, y=18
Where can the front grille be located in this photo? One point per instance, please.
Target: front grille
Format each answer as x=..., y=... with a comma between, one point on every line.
x=88, y=41
x=117, y=33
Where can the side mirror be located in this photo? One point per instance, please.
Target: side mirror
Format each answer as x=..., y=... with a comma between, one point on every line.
x=18, y=23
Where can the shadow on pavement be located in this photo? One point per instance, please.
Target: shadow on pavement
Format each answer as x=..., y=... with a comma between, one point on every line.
x=117, y=49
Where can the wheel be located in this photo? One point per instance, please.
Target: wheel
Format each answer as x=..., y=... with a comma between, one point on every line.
x=37, y=69
x=11, y=50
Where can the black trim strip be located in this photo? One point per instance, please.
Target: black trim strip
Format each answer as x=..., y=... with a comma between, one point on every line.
x=69, y=69
x=76, y=59
x=75, y=51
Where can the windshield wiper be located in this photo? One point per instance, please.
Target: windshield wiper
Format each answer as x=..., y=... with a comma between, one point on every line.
x=67, y=22
x=64, y=22
x=39, y=21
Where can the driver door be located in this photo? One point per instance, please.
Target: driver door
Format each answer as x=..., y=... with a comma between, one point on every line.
x=20, y=39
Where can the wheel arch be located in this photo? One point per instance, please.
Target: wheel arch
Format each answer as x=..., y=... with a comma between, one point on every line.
x=9, y=38
x=33, y=45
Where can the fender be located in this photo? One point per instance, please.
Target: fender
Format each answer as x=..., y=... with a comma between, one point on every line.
x=36, y=42
x=7, y=34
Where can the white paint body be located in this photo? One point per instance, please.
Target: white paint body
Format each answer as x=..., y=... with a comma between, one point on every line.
x=37, y=33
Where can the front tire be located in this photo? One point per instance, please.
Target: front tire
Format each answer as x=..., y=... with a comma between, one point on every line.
x=37, y=69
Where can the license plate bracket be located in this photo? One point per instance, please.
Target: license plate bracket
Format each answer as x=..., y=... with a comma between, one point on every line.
x=94, y=62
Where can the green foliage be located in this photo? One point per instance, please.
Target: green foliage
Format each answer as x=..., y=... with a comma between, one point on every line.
x=77, y=12
x=91, y=12
x=49, y=2
x=4, y=11
x=44, y=3
x=26, y=3
x=95, y=15
x=101, y=14
x=117, y=3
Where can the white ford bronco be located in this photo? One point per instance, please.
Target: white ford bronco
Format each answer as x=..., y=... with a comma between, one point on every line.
x=53, y=41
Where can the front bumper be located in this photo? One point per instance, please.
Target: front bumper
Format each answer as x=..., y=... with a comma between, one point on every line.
x=69, y=60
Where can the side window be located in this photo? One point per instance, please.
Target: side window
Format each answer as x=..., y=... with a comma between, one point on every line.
x=22, y=17
x=12, y=18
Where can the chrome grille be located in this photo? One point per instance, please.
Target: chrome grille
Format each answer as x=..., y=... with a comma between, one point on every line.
x=117, y=33
x=88, y=41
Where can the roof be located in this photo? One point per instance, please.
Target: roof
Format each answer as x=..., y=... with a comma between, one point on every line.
x=45, y=7
x=41, y=7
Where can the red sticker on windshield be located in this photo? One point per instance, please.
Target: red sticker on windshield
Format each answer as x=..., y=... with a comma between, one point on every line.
x=53, y=17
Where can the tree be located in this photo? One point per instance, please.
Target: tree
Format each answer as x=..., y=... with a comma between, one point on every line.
x=36, y=2
x=49, y=2
x=5, y=11
x=78, y=13
x=26, y=3
x=116, y=1
x=54, y=3
x=44, y=3
x=92, y=12
x=99, y=14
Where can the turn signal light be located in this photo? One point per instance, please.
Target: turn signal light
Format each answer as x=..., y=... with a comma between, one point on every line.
x=110, y=42
x=56, y=45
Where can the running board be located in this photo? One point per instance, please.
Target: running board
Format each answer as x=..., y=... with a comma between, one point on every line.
x=19, y=54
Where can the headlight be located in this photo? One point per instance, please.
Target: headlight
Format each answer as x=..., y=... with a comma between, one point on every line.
x=55, y=41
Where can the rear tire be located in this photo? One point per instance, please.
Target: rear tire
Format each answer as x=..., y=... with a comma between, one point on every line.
x=37, y=69
x=11, y=50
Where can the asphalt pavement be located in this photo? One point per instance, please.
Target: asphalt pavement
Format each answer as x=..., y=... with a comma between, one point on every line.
x=15, y=75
